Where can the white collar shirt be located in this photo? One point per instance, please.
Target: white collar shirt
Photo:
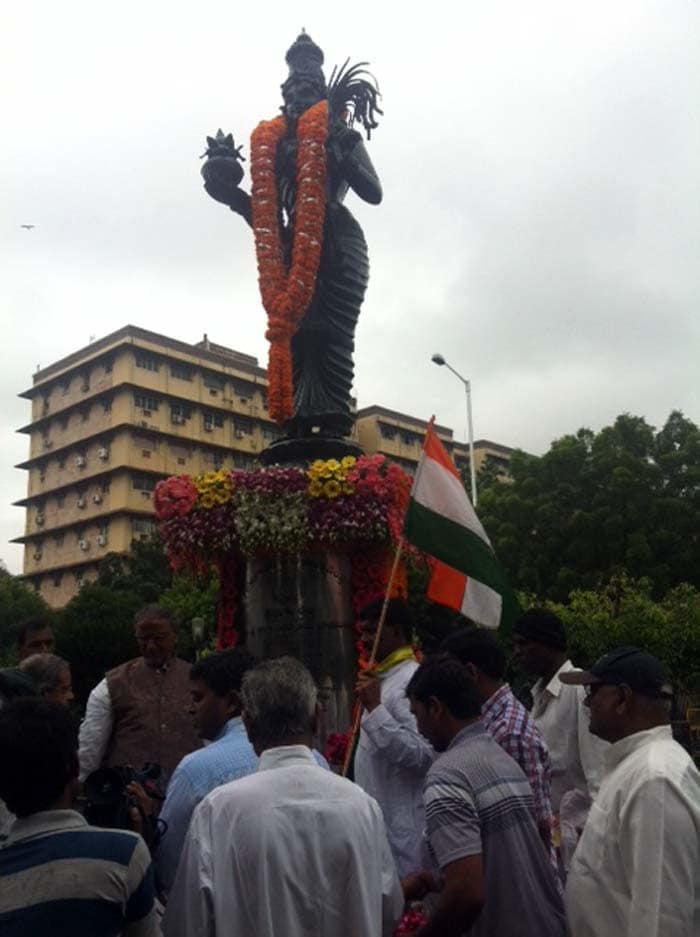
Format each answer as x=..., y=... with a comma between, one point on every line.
x=636, y=869
x=288, y=851
x=577, y=755
x=391, y=762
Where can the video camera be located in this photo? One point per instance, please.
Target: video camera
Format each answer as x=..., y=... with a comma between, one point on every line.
x=108, y=801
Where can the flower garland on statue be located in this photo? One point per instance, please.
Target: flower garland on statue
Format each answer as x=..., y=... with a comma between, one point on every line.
x=286, y=294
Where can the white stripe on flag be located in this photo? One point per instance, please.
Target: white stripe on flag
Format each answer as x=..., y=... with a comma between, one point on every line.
x=482, y=604
x=439, y=491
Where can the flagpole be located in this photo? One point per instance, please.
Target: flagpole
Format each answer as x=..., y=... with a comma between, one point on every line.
x=372, y=659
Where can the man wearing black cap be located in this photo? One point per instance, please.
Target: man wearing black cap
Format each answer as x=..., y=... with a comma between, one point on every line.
x=559, y=713
x=636, y=869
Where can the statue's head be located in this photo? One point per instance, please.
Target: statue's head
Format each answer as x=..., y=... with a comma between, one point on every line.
x=306, y=84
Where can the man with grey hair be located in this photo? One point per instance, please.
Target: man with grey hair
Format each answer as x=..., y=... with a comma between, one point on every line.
x=293, y=849
x=139, y=712
x=636, y=869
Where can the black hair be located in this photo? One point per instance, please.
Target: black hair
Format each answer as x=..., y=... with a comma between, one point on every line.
x=223, y=672
x=443, y=677
x=38, y=754
x=155, y=613
x=29, y=626
x=479, y=647
x=398, y=615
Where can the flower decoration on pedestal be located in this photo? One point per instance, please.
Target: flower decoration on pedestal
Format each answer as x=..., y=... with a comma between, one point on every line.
x=221, y=518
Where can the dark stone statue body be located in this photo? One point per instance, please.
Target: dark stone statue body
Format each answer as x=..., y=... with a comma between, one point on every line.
x=322, y=347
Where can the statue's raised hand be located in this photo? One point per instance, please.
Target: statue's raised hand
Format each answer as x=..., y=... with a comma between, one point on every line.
x=222, y=173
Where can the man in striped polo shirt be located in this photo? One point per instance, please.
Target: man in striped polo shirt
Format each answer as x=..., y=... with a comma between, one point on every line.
x=490, y=867
x=60, y=877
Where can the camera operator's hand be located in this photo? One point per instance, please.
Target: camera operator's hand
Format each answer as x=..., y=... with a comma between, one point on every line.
x=141, y=807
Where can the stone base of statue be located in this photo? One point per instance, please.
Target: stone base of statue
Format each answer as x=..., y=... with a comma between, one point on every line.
x=290, y=450
x=301, y=605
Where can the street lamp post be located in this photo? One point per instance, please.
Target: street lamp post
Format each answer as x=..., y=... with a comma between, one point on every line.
x=439, y=360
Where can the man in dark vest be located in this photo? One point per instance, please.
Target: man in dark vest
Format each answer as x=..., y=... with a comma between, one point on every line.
x=139, y=712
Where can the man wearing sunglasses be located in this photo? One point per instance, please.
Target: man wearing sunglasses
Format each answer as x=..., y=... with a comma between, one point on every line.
x=636, y=869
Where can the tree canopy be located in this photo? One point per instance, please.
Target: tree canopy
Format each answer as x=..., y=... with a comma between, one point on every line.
x=626, y=499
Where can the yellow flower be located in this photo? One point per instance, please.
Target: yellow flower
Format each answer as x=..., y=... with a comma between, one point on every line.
x=348, y=461
x=315, y=489
x=317, y=466
x=332, y=465
x=347, y=488
x=206, y=500
x=331, y=489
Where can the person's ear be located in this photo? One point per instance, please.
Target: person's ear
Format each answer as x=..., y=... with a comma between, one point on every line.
x=434, y=707
x=625, y=699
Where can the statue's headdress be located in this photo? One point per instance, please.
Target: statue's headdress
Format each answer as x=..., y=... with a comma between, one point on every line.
x=304, y=57
x=353, y=97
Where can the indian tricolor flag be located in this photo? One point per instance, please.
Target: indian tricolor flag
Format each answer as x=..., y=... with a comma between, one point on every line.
x=441, y=521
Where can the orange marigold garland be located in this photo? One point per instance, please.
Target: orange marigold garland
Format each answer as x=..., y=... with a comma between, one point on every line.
x=286, y=294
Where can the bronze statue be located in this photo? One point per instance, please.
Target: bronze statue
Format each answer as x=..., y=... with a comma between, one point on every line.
x=321, y=340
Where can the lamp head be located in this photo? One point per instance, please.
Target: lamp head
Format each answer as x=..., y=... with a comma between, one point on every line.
x=438, y=359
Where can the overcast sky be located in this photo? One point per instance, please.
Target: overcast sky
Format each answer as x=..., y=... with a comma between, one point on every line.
x=540, y=224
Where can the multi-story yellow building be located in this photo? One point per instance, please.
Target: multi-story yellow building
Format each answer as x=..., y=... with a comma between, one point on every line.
x=107, y=423
x=112, y=419
x=400, y=437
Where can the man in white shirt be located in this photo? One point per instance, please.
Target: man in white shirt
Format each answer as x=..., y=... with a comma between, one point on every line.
x=392, y=758
x=293, y=849
x=636, y=869
x=558, y=710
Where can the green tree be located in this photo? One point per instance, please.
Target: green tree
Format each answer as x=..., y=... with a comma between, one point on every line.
x=596, y=505
x=18, y=602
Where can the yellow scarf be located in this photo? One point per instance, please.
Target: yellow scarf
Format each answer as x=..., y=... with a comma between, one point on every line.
x=391, y=660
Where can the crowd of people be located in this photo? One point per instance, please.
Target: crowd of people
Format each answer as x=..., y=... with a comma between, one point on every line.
x=579, y=815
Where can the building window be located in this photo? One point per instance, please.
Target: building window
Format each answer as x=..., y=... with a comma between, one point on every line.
x=104, y=487
x=146, y=401
x=46, y=406
x=243, y=390
x=142, y=528
x=109, y=364
x=212, y=419
x=143, y=482
x=181, y=371
x=63, y=423
x=269, y=434
x=60, y=501
x=57, y=579
x=62, y=462
x=65, y=385
x=58, y=541
x=85, y=415
x=106, y=406
x=80, y=577
x=42, y=473
x=144, y=360
x=408, y=439
x=243, y=461
x=387, y=432
x=179, y=412
x=213, y=381
x=242, y=428
x=85, y=382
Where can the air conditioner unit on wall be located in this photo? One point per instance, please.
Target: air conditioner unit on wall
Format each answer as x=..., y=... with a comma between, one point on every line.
x=84, y=544
x=239, y=434
x=97, y=499
x=103, y=453
x=40, y=519
x=80, y=461
x=102, y=539
x=37, y=554
x=82, y=501
x=178, y=418
x=208, y=428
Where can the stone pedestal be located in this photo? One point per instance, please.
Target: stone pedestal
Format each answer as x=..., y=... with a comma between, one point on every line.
x=301, y=606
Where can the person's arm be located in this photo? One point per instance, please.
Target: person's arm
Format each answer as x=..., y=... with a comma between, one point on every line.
x=461, y=899
x=190, y=908
x=180, y=802
x=140, y=915
x=530, y=752
x=659, y=846
x=393, y=732
x=95, y=729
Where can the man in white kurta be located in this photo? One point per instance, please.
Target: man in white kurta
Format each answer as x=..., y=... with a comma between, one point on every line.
x=636, y=870
x=288, y=851
x=392, y=758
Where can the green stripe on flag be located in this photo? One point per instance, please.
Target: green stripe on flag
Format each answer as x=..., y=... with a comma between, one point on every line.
x=454, y=544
